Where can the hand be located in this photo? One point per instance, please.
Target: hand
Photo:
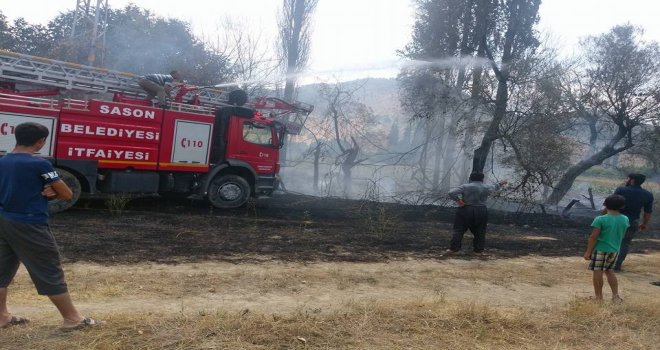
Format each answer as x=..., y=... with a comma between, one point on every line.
x=587, y=256
x=643, y=227
x=48, y=192
x=460, y=202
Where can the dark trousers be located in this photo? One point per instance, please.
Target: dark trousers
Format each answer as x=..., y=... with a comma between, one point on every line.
x=34, y=246
x=153, y=90
x=475, y=219
x=625, y=243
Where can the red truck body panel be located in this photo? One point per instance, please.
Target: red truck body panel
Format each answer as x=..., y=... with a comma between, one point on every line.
x=16, y=111
x=117, y=135
x=186, y=142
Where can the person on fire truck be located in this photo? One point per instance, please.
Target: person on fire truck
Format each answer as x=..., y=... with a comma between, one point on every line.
x=159, y=85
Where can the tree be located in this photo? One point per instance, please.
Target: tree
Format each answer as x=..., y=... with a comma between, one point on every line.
x=433, y=104
x=648, y=147
x=393, y=136
x=434, y=90
x=295, y=39
x=6, y=39
x=23, y=37
x=350, y=125
x=621, y=84
x=519, y=39
x=534, y=132
x=248, y=54
x=493, y=33
x=136, y=41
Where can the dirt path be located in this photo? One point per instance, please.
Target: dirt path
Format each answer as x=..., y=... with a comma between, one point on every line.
x=280, y=288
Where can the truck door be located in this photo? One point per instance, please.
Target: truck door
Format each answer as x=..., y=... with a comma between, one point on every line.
x=254, y=144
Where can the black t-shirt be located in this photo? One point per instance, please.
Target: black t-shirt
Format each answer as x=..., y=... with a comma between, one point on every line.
x=637, y=199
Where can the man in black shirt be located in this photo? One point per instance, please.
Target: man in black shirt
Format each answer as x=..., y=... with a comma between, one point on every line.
x=637, y=199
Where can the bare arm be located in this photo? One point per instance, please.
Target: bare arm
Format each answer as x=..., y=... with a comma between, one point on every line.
x=456, y=195
x=57, y=190
x=645, y=221
x=593, y=238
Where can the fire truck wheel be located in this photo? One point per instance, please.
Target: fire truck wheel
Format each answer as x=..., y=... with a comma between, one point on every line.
x=228, y=191
x=59, y=205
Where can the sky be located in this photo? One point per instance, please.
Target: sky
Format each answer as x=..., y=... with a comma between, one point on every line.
x=360, y=38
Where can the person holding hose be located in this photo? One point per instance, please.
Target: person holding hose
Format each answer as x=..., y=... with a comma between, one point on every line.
x=472, y=213
x=159, y=85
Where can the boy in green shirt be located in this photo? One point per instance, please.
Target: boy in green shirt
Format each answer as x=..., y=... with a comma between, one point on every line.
x=604, y=244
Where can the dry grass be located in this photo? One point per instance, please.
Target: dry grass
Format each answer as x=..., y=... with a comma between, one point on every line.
x=417, y=324
x=524, y=303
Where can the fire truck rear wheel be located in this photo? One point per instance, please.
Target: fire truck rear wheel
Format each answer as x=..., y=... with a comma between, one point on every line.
x=59, y=205
x=228, y=191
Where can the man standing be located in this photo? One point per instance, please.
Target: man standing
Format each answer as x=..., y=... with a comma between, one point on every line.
x=472, y=213
x=636, y=199
x=26, y=183
x=159, y=85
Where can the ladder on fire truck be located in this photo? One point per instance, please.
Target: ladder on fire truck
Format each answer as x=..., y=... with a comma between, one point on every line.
x=56, y=75
x=71, y=76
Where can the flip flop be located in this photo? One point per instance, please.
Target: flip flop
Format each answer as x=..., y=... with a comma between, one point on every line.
x=16, y=321
x=86, y=322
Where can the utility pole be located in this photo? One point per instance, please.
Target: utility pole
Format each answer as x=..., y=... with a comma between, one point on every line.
x=85, y=20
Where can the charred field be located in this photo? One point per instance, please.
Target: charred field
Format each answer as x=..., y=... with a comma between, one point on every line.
x=297, y=228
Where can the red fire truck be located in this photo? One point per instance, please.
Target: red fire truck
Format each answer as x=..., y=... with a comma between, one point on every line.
x=206, y=143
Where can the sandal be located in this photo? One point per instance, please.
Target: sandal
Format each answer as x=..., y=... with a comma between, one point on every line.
x=86, y=322
x=16, y=321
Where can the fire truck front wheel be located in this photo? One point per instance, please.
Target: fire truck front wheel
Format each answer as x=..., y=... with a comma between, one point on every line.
x=228, y=191
x=59, y=205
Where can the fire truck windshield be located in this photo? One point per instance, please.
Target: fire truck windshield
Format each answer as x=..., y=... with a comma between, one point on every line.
x=260, y=134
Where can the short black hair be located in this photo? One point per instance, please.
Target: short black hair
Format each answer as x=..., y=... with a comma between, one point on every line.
x=615, y=202
x=476, y=176
x=27, y=134
x=638, y=178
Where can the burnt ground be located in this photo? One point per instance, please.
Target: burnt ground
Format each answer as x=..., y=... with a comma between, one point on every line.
x=300, y=228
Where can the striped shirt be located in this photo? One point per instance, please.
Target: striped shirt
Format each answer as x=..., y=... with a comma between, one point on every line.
x=160, y=79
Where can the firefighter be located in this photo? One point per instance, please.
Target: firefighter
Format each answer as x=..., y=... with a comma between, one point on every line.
x=159, y=85
x=472, y=213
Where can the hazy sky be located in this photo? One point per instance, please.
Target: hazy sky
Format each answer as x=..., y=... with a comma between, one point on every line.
x=360, y=37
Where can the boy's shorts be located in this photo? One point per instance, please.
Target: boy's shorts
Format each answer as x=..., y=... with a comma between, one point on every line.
x=602, y=261
x=34, y=246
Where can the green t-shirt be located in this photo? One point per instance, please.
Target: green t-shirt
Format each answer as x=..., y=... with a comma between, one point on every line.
x=612, y=229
